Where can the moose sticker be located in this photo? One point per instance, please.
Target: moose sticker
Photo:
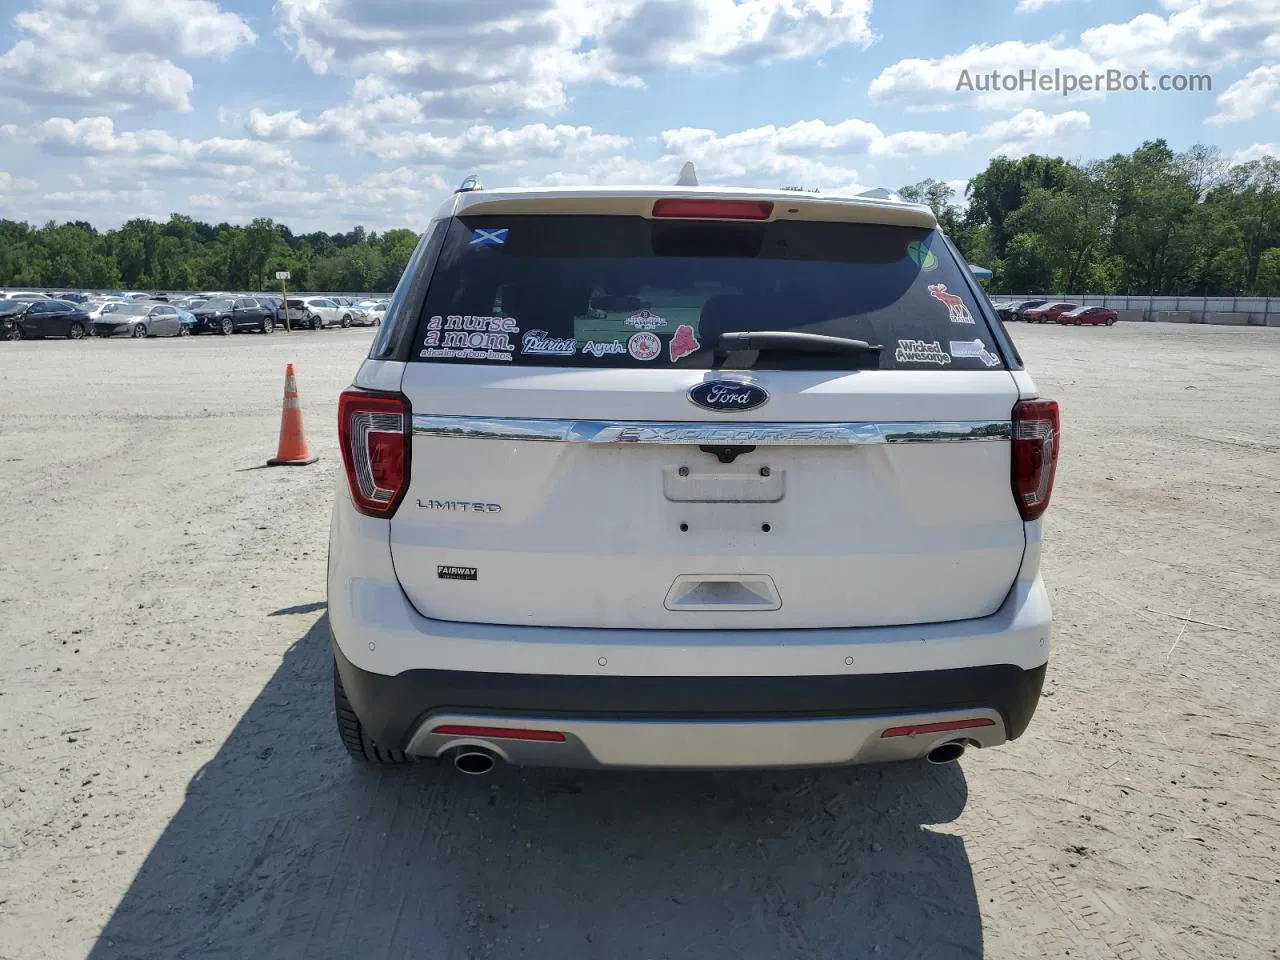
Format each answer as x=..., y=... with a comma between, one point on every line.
x=957, y=311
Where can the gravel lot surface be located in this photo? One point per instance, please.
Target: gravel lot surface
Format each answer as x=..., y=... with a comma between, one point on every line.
x=171, y=784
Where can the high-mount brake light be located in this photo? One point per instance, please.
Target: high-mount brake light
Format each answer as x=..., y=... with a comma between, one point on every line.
x=695, y=209
x=374, y=433
x=1036, y=442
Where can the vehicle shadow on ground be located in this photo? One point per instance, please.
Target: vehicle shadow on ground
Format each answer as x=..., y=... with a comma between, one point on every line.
x=285, y=848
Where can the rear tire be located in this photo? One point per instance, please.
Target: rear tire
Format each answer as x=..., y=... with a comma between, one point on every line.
x=77, y=330
x=346, y=321
x=15, y=333
x=316, y=323
x=227, y=327
x=184, y=331
x=353, y=735
x=1079, y=323
x=140, y=332
x=268, y=326
x=1110, y=321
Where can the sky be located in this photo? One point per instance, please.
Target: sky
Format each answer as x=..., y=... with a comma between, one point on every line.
x=324, y=114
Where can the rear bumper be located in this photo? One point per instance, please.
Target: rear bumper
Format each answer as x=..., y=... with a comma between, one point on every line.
x=672, y=698
x=693, y=721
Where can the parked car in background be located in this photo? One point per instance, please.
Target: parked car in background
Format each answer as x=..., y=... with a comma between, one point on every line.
x=1083, y=316
x=325, y=312
x=140, y=320
x=74, y=297
x=1015, y=309
x=94, y=308
x=369, y=313
x=1049, y=311
x=37, y=319
x=227, y=315
x=189, y=303
x=25, y=295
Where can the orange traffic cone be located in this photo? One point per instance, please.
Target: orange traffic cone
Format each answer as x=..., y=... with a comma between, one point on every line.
x=292, y=451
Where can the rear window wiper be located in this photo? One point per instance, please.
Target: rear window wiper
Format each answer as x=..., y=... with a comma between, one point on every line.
x=791, y=341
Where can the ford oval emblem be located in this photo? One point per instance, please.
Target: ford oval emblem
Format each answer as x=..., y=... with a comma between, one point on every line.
x=728, y=396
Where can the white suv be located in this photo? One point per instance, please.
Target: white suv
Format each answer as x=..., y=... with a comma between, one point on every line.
x=688, y=478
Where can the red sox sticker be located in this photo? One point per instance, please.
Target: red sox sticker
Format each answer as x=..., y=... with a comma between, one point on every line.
x=956, y=309
x=683, y=343
x=644, y=346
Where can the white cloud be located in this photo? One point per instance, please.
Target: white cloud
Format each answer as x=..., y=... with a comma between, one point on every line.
x=1196, y=33
x=1257, y=93
x=491, y=57
x=482, y=145
x=128, y=153
x=115, y=53
x=964, y=79
x=1256, y=152
x=403, y=197
x=1032, y=6
x=345, y=124
x=1030, y=131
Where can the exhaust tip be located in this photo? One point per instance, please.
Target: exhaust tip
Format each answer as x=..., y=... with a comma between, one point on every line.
x=947, y=752
x=473, y=762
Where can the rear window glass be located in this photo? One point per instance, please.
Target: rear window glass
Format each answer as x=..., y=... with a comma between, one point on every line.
x=617, y=291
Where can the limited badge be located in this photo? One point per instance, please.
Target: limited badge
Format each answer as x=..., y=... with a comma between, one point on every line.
x=683, y=343
x=922, y=256
x=976, y=349
x=457, y=573
x=957, y=311
x=921, y=351
x=489, y=237
x=644, y=320
x=644, y=346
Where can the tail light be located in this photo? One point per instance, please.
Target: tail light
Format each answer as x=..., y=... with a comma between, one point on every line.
x=1035, y=455
x=695, y=209
x=374, y=431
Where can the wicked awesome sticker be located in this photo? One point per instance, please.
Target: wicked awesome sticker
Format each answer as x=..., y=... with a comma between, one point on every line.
x=470, y=338
x=921, y=351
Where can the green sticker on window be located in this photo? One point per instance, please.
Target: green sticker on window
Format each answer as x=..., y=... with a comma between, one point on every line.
x=922, y=256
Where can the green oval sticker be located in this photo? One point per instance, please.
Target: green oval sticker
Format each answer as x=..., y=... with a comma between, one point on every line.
x=922, y=256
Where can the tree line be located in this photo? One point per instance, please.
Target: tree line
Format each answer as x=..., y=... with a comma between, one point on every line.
x=186, y=254
x=1151, y=222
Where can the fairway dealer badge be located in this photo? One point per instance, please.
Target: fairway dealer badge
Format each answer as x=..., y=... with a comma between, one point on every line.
x=728, y=396
x=457, y=573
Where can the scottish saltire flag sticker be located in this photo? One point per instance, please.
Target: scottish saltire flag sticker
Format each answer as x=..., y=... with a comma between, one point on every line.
x=490, y=237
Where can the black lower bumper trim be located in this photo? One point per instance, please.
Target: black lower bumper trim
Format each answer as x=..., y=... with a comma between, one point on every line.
x=392, y=708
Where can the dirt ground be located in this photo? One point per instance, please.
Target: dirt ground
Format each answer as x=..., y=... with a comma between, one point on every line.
x=171, y=784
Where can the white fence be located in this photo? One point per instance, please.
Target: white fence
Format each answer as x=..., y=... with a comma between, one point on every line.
x=1253, y=311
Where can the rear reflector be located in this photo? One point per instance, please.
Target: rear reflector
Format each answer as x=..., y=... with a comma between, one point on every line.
x=714, y=209
x=498, y=733
x=915, y=728
x=1035, y=455
x=373, y=431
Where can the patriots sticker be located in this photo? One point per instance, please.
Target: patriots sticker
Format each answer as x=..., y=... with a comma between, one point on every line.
x=490, y=237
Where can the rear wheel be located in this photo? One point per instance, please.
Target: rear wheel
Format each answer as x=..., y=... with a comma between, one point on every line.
x=346, y=320
x=1110, y=321
x=77, y=330
x=15, y=333
x=1079, y=322
x=316, y=323
x=268, y=325
x=352, y=732
x=140, y=332
x=227, y=327
x=184, y=331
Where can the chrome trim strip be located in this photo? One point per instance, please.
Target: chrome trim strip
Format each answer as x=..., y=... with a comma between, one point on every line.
x=758, y=434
